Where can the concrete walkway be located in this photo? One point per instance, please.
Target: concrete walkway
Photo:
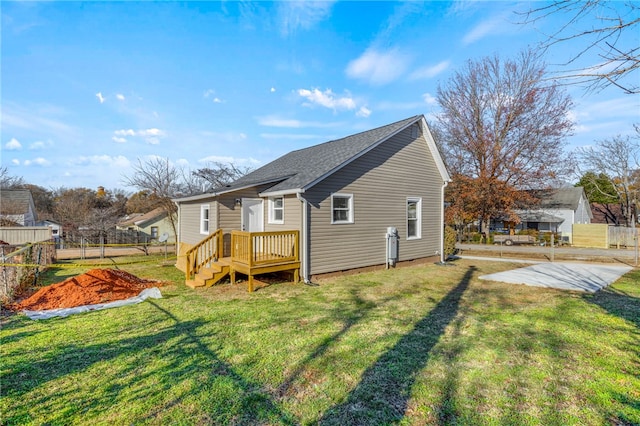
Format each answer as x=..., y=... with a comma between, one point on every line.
x=589, y=277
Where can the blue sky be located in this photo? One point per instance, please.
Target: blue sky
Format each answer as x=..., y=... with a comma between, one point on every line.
x=89, y=89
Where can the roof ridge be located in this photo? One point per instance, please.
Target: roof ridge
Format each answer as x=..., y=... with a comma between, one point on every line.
x=356, y=134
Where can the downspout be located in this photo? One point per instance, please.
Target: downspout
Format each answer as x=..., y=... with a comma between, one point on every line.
x=178, y=232
x=442, y=256
x=303, y=237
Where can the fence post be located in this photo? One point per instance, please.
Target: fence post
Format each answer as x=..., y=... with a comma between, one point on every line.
x=552, y=244
x=636, y=237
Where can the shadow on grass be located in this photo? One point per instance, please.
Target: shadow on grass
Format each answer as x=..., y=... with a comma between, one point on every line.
x=383, y=393
x=618, y=303
x=187, y=369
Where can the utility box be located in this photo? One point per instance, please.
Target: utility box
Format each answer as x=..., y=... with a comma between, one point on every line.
x=392, y=245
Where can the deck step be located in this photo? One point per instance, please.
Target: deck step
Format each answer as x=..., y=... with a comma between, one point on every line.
x=193, y=283
x=212, y=275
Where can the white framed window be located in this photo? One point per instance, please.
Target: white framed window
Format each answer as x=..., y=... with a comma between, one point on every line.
x=204, y=219
x=154, y=232
x=414, y=218
x=342, y=208
x=276, y=210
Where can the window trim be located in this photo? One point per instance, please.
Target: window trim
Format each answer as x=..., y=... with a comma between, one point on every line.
x=204, y=207
x=272, y=211
x=350, y=209
x=418, y=219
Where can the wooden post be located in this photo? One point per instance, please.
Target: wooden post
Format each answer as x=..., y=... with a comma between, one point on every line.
x=250, y=288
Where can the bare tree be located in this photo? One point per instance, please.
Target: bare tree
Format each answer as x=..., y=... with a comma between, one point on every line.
x=502, y=131
x=219, y=174
x=618, y=160
x=10, y=182
x=161, y=178
x=614, y=60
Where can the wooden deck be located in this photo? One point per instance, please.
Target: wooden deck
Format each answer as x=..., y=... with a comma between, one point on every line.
x=252, y=253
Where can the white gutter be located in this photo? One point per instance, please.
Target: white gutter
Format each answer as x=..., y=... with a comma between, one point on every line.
x=303, y=237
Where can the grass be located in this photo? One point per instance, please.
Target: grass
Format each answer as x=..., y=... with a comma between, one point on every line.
x=420, y=345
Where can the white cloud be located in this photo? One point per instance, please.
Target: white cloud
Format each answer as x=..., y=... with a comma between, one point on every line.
x=208, y=92
x=275, y=121
x=100, y=97
x=217, y=100
x=227, y=159
x=151, y=136
x=120, y=97
x=429, y=99
x=493, y=26
x=13, y=145
x=430, y=71
x=288, y=136
x=182, y=162
x=327, y=99
x=40, y=145
x=273, y=89
x=302, y=14
x=118, y=161
x=125, y=132
x=43, y=162
x=378, y=67
x=363, y=112
x=15, y=162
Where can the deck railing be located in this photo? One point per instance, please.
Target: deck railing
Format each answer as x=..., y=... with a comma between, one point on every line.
x=203, y=253
x=256, y=249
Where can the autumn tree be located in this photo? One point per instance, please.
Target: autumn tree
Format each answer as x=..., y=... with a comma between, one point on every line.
x=142, y=202
x=502, y=131
x=617, y=159
x=608, y=44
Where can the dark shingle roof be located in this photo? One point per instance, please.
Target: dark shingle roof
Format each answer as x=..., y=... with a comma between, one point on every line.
x=15, y=201
x=561, y=198
x=301, y=168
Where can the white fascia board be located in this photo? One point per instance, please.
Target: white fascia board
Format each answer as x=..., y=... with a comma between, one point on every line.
x=434, y=151
x=281, y=193
x=194, y=197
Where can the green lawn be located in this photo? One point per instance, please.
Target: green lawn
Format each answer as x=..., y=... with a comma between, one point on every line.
x=420, y=345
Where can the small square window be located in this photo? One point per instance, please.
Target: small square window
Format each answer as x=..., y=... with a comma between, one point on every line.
x=342, y=208
x=276, y=210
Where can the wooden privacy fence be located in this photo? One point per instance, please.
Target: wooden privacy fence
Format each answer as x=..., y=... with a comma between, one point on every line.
x=601, y=235
x=620, y=236
x=21, y=264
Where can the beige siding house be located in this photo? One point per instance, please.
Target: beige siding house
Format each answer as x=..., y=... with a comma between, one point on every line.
x=341, y=196
x=153, y=224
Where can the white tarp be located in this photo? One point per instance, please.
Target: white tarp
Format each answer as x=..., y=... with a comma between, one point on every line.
x=153, y=293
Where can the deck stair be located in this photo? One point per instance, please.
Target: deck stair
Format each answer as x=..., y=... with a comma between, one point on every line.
x=211, y=275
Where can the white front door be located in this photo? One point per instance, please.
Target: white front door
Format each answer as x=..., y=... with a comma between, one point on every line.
x=252, y=215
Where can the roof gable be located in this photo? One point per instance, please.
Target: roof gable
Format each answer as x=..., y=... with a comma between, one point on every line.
x=303, y=168
x=561, y=198
x=16, y=201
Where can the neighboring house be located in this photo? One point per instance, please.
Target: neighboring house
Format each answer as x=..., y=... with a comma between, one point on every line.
x=339, y=197
x=153, y=224
x=56, y=229
x=558, y=210
x=16, y=206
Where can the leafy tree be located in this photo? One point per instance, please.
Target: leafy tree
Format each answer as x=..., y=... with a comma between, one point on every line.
x=502, y=131
x=614, y=63
x=618, y=160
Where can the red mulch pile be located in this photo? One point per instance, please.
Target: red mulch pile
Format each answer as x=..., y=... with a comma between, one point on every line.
x=95, y=286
